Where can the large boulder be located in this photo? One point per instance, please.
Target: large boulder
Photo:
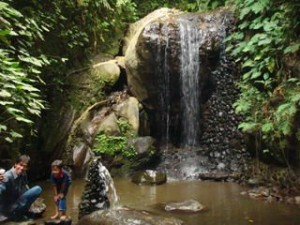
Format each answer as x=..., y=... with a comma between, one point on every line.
x=145, y=150
x=129, y=109
x=160, y=31
x=107, y=72
x=110, y=125
x=143, y=145
x=99, y=118
x=136, y=28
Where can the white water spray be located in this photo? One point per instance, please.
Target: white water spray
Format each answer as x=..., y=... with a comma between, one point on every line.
x=109, y=185
x=190, y=65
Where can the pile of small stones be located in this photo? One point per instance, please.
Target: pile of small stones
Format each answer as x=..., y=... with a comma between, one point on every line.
x=95, y=192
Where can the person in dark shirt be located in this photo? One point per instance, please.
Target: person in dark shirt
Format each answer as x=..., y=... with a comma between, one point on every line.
x=15, y=195
x=61, y=181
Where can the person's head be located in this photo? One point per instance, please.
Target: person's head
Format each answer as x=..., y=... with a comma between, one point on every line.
x=21, y=164
x=56, y=167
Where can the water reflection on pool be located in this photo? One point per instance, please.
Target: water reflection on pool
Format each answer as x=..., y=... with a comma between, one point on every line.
x=225, y=205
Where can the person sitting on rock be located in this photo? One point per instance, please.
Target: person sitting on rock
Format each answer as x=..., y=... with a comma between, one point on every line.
x=15, y=195
x=61, y=181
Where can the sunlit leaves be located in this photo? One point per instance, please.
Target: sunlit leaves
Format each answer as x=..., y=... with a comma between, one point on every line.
x=4, y=94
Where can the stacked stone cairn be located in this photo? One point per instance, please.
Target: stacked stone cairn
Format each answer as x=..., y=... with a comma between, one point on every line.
x=95, y=195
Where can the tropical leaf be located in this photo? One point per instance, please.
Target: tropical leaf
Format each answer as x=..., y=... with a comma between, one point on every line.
x=22, y=119
x=5, y=94
x=249, y=127
x=3, y=128
x=267, y=127
x=15, y=134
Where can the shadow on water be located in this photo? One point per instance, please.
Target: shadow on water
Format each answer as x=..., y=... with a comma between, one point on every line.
x=223, y=201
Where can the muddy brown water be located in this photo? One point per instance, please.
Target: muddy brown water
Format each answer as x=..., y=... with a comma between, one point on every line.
x=223, y=201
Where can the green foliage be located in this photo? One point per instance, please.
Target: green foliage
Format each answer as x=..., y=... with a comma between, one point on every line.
x=267, y=35
x=77, y=29
x=20, y=68
x=40, y=41
x=116, y=145
x=113, y=145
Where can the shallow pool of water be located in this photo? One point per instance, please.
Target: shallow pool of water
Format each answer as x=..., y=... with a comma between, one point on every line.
x=223, y=201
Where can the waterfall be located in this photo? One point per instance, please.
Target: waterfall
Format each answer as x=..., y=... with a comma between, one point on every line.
x=190, y=93
x=179, y=68
x=189, y=79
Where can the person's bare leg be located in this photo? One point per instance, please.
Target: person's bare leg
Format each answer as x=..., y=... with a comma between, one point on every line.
x=55, y=216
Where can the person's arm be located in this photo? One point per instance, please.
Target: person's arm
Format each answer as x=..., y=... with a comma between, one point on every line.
x=54, y=187
x=65, y=184
x=56, y=194
x=25, y=186
x=63, y=191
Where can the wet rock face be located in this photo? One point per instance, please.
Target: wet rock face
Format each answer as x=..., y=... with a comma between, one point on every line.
x=221, y=142
x=221, y=154
x=161, y=38
x=95, y=192
x=159, y=62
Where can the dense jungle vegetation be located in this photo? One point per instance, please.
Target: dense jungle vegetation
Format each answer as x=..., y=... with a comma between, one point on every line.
x=41, y=41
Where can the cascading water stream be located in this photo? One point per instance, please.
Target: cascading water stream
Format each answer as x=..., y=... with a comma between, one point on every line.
x=188, y=43
x=189, y=78
x=109, y=185
x=190, y=91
